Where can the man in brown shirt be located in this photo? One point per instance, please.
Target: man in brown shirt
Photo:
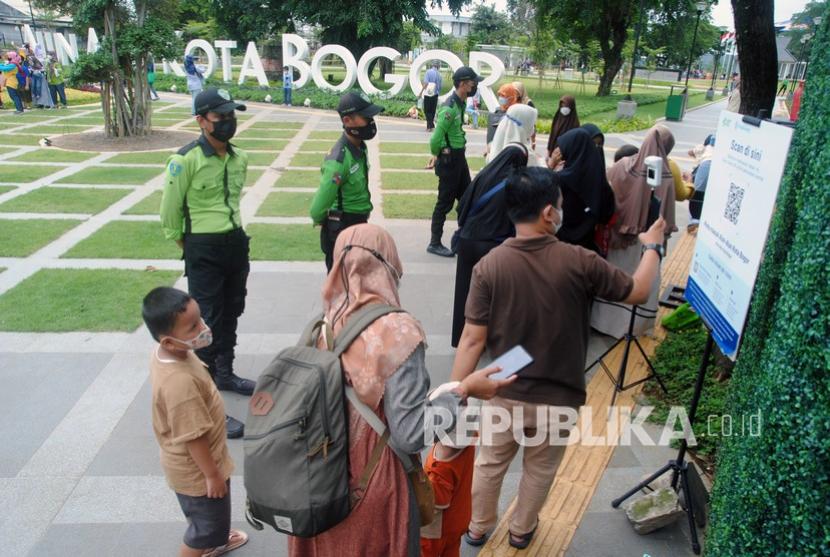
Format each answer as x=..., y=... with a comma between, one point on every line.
x=536, y=291
x=189, y=423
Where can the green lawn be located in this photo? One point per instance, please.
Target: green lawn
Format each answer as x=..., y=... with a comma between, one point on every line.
x=126, y=240
x=53, y=129
x=299, y=179
x=84, y=120
x=426, y=180
x=59, y=300
x=21, y=238
x=53, y=155
x=253, y=176
x=404, y=161
x=149, y=157
x=476, y=162
x=105, y=175
x=331, y=135
x=260, y=144
x=63, y=200
x=4, y=189
x=286, y=204
x=284, y=242
x=266, y=133
x=403, y=147
x=261, y=159
x=19, y=139
x=411, y=206
x=307, y=159
x=317, y=145
x=25, y=174
x=278, y=125
x=148, y=206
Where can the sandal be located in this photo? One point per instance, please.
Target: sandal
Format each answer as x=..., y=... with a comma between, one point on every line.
x=524, y=540
x=236, y=539
x=475, y=541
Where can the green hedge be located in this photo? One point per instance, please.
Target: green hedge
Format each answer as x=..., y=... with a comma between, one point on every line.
x=772, y=492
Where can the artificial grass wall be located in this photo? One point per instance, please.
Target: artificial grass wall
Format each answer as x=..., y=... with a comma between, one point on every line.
x=772, y=492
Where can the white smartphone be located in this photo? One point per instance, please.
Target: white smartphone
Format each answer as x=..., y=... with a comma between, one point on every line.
x=511, y=362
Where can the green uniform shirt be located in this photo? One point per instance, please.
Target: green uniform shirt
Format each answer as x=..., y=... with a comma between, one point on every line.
x=203, y=187
x=345, y=168
x=448, y=124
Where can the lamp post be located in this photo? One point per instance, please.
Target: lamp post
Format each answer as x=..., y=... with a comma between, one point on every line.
x=710, y=94
x=701, y=7
x=636, y=45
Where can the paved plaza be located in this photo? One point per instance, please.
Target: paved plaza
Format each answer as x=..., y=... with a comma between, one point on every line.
x=79, y=468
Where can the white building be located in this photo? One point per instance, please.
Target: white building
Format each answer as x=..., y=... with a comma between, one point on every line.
x=16, y=13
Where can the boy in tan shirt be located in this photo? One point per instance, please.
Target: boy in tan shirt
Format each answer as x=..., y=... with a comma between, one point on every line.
x=189, y=423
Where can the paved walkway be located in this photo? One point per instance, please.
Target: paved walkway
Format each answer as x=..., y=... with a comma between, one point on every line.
x=79, y=472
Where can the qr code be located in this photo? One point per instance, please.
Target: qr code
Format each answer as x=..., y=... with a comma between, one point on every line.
x=733, y=203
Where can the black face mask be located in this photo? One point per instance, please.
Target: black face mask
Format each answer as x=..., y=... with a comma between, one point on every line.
x=224, y=130
x=364, y=133
x=473, y=91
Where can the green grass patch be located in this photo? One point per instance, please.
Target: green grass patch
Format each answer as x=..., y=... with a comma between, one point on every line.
x=60, y=300
x=153, y=157
x=25, y=174
x=286, y=204
x=262, y=133
x=284, y=242
x=150, y=205
x=252, y=176
x=332, y=135
x=57, y=129
x=126, y=240
x=277, y=125
x=476, y=162
x=105, y=175
x=426, y=180
x=411, y=206
x=21, y=238
x=404, y=147
x=299, y=179
x=274, y=145
x=4, y=189
x=404, y=161
x=317, y=145
x=53, y=155
x=63, y=200
x=19, y=139
x=261, y=159
x=307, y=159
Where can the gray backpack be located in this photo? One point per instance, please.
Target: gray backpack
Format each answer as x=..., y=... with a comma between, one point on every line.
x=296, y=436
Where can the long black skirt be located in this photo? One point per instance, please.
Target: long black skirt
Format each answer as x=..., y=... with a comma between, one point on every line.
x=469, y=253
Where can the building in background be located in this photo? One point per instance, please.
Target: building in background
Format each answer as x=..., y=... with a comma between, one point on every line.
x=14, y=14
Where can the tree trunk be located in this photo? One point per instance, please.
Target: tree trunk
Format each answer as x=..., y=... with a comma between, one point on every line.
x=757, y=52
x=610, y=68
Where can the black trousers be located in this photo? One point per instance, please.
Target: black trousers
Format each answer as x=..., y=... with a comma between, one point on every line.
x=430, y=105
x=328, y=236
x=217, y=270
x=469, y=253
x=453, y=179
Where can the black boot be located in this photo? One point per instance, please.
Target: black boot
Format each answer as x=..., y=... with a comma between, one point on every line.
x=234, y=427
x=226, y=380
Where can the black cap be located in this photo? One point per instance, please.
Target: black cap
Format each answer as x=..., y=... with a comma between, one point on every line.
x=352, y=103
x=216, y=100
x=465, y=73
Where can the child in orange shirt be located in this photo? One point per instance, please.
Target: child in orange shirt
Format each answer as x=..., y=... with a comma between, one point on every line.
x=449, y=467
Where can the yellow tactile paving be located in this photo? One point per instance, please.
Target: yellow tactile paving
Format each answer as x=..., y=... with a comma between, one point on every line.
x=582, y=467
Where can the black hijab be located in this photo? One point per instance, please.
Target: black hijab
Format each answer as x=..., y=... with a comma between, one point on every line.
x=585, y=188
x=490, y=220
x=594, y=131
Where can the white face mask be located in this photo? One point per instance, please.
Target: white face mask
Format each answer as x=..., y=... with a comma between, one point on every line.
x=202, y=340
x=557, y=226
x=502, y=101
x=565, y=110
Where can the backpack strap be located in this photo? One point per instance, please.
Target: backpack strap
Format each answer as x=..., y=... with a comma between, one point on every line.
x=379, y=427
x=311, y=332
x=358, y=322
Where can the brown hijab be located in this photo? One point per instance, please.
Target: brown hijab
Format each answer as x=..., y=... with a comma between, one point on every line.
x=562, y=123
x=633, y=194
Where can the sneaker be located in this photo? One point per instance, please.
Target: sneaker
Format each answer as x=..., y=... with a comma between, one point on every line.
x=234, y=383
x=18, y=112
x=439, y=249
x=235, y=429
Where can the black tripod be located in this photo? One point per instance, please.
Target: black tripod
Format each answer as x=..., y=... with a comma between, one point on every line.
x=680, y=469
x=628, y=338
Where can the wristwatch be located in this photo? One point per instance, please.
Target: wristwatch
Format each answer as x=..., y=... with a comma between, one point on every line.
x=656, y=247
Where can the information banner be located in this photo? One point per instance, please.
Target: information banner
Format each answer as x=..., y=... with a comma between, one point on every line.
x=740, y=196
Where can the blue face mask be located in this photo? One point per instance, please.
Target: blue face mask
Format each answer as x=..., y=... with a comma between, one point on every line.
x=502, y=101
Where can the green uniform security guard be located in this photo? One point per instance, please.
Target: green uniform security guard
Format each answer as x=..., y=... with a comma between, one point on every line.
x=448, y=144
x=343, y=198
x=200, y=211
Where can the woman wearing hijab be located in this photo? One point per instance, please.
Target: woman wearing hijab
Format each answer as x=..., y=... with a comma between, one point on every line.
x=564, y=120
x=635, y=210
x=587, y=199
x=10, y=70
x=517, y=126
x=508, y=96
x=598, y=138
x=195, y=79
x=385, y=366
x=483, y=221
x=522, y=90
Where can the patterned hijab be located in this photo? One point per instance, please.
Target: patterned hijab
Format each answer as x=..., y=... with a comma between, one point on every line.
x=366, y=271
x=633, y=194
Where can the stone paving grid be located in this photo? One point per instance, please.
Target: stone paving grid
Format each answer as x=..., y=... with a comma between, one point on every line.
x=88, y=430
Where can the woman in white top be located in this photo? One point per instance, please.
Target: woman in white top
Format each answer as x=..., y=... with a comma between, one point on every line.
x=517, y=126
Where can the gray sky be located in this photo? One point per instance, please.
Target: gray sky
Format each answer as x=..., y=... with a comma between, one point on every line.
x=721, y=13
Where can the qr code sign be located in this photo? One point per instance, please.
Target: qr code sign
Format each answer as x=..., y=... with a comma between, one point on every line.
x=733, y=203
